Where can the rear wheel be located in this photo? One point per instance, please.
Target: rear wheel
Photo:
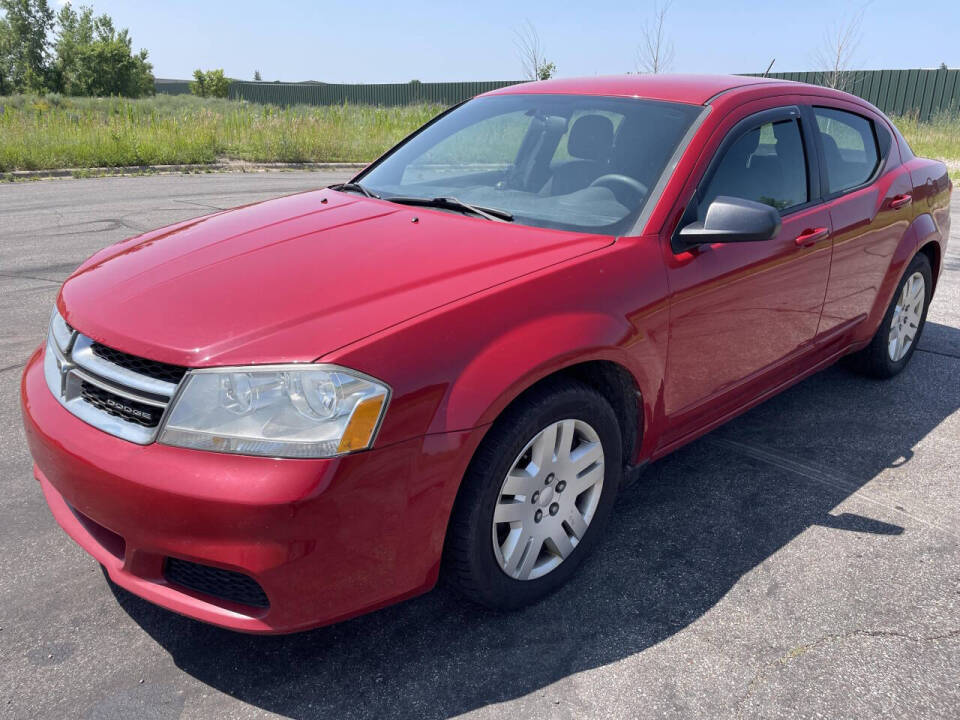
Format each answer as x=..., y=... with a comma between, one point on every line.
x=536, y=497
x=896, y=339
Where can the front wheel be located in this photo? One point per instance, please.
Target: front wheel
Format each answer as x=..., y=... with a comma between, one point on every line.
x=536, y=497
x=896, y=339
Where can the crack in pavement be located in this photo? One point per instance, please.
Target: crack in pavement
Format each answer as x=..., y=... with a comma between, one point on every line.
x=12, y=367
x=937, y=352
x=822, y=476
x=200, y=205
x=30, y=277
x=45, y=288
x=85, y=227
x=764, y=671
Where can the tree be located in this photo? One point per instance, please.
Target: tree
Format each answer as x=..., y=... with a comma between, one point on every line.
x=837, y=52
x=6, y=57
x=212, y=83
x=256, y=76
x=199, y=85
x=655, y=53
x=89, y=56
x=75, y=34
x=93, y=58
x=26, y=49
x=530, y=51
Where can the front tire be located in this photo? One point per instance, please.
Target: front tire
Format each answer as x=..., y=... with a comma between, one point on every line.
x=896, y=339
x=536, y=497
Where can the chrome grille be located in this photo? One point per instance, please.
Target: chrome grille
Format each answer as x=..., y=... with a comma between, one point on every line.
x=129, y=410
x=118, y=393
x=150, y=368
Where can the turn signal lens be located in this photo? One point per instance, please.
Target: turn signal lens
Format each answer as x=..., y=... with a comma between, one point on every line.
x=362, y=425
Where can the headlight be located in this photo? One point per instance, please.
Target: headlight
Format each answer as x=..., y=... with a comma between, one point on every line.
x=299, y=411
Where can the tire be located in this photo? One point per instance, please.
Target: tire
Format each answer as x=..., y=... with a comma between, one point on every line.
x=882, y=358
x=479, y=552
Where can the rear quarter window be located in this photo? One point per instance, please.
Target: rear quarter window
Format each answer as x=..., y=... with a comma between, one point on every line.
x=850, y=148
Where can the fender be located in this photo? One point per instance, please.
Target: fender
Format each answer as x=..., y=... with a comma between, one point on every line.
x=514, y=361
x=921, y=231
x=457, y=367
x=546, y=345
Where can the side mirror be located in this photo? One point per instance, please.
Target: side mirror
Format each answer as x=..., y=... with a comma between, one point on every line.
x=731, y=219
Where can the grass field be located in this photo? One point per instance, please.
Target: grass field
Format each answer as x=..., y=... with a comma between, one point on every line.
x=38, y=133
x=57, y=132
x=939, y=138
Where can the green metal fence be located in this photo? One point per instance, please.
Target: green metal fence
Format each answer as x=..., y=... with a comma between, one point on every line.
x=373, y=94
x=898, y=92
x=171, y=87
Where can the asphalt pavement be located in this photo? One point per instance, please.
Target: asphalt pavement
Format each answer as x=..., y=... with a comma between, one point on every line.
x=801, y=561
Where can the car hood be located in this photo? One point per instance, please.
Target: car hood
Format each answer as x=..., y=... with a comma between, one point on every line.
x=294, y=278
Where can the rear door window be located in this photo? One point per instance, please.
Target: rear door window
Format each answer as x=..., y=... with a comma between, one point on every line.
x=766, y=164
x=849, y=148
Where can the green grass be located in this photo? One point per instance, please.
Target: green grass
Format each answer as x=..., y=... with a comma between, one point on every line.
x=938, y=138
x=38, y=133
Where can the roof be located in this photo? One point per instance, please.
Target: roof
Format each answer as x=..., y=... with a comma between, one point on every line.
x=693, y=89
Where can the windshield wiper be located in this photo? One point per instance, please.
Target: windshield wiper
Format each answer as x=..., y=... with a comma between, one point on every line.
x=451, y=203
x=355, y=187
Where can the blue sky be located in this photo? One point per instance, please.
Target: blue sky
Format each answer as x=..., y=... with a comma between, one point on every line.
x=374, y=41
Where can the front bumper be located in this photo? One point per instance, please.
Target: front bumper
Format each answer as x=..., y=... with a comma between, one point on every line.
x=324, y=539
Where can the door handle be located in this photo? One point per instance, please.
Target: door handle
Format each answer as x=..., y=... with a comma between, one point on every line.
x=899, y=201
x=811, y=236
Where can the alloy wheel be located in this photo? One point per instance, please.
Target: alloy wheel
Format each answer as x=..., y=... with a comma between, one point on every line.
x=906, y=317
x=547, y=500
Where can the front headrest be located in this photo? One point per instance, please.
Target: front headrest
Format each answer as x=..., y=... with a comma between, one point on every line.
x=629, y=134
x=742, y=148
x=591, y=138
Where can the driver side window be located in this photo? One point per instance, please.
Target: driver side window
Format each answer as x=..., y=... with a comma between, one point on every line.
x=766, y=165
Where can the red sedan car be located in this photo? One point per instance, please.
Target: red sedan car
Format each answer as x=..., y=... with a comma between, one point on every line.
x=288, y=414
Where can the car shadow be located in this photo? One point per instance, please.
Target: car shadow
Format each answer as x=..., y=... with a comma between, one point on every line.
x=681, y=538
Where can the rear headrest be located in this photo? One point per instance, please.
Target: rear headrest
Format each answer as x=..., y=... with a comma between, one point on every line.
x=591, y=138
x=830, y=148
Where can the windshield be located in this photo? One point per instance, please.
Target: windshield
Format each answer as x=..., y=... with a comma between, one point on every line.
x=572, y=162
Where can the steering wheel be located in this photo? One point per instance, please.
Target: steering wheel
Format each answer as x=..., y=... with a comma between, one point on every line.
x=624, y=187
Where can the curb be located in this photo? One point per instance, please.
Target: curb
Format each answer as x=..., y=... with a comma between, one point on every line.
x=174, y=169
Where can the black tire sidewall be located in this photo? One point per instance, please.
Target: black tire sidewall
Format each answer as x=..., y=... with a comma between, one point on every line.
x=496, y=588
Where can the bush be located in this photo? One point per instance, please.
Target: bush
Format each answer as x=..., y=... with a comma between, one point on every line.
x=212, y=83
